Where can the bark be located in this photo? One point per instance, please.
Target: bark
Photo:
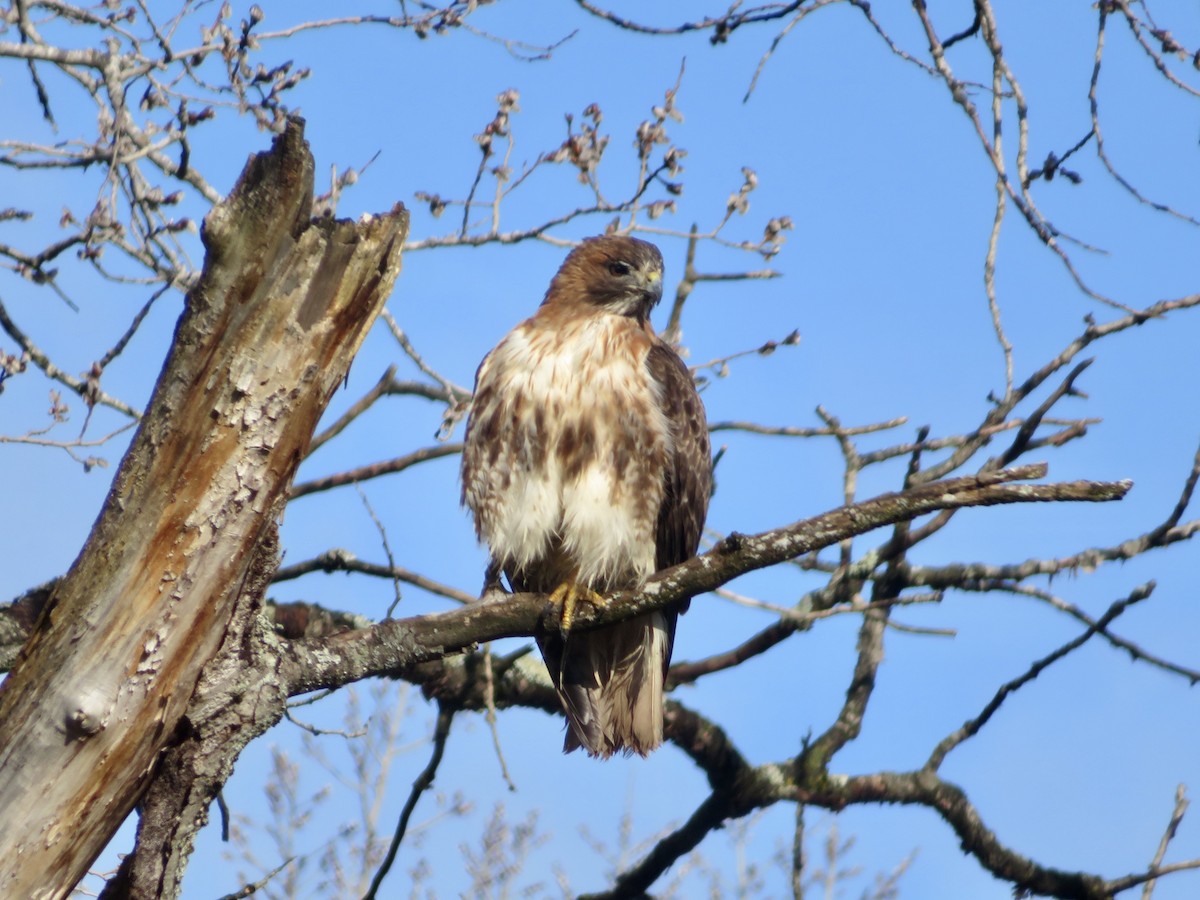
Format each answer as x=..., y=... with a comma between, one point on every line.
x=101, y=687
x=238, y=697
x=297, y=648
x=396, y=645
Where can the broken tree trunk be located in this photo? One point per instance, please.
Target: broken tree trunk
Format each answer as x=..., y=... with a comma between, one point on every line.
x=267, y=335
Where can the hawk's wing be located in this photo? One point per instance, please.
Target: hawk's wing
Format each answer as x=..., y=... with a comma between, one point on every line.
x=688, y=474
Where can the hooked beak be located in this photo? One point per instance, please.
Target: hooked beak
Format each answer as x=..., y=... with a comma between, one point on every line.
x=652, y=288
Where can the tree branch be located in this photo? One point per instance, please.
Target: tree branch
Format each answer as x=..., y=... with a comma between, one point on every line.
x=390, y=647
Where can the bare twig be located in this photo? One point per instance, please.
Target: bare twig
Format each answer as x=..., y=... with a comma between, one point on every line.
x=970, y=728
x=364, y=473
x=387, y=550
x=422, y=783
x=80, y=386
x=357, y=409
x=489, y=699
x=1181, y=805
x=344, y=561
x=454, y=391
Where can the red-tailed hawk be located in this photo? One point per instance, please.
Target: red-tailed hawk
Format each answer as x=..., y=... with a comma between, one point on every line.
x=587, y=469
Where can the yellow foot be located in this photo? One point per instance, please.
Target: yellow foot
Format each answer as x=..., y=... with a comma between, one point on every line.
x=566, y=597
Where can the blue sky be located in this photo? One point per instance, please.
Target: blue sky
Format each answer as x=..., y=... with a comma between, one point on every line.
x=892, y=200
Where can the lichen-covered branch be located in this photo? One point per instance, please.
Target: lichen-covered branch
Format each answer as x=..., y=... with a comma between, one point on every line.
x=390, y=647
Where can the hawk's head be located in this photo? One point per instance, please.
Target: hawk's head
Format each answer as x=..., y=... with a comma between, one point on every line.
x=615, y=274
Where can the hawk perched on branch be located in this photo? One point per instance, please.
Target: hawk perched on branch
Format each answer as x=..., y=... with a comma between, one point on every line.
x=587, y=469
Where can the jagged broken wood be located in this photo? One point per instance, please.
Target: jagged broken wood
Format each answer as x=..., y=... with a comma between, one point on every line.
x=267, y=335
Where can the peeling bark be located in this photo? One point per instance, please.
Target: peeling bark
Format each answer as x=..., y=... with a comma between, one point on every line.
x=101, y=687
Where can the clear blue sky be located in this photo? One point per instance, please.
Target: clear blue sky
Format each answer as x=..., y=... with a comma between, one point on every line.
x=892, y=200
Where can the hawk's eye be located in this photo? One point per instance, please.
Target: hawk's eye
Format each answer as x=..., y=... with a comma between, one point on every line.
x=618, y=268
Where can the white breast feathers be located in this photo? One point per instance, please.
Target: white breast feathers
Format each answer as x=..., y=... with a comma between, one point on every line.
x=566, y=451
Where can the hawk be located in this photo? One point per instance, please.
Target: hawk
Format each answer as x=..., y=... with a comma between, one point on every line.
x=587, y=468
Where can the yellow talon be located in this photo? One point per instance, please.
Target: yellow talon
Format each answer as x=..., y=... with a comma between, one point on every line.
x=566, y=597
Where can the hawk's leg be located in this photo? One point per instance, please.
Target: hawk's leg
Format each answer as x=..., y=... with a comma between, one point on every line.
x=565, y=598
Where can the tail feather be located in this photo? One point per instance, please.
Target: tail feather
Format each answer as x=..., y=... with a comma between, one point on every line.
x=610, y=682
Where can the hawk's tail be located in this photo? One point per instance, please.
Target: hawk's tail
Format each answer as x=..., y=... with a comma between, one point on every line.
x=610, y=682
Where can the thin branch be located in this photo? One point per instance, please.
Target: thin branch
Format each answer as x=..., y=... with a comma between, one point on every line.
x=456, y=392
x=357, y=409
x=489, y=699
x=1074, y=427
x=1181, y=805
x=775, y=633
x=673, y=333
x=722, y=26
x=970, y=31
x=1130, y=881
x=1135, y=26
x=989, y=264
x=864, y=7
x=1185, y=499
x=37, y=439
x=848, y=724
x=708, y=816
x=424, y=780
x=795, y=431
x=720, y=364
x=799, y=862
x=387, y=551
x=1045, y=230
x=1094, y=103
x=345, y=561
x=972, y=727
x=999, y=413
x=249, y=890
x=365, y=473
x=850, y=469
x=123, y=341
x=1135, y=652
x=1021, y=443
x=800, y=15
x=82, y=387
x=965, y=574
